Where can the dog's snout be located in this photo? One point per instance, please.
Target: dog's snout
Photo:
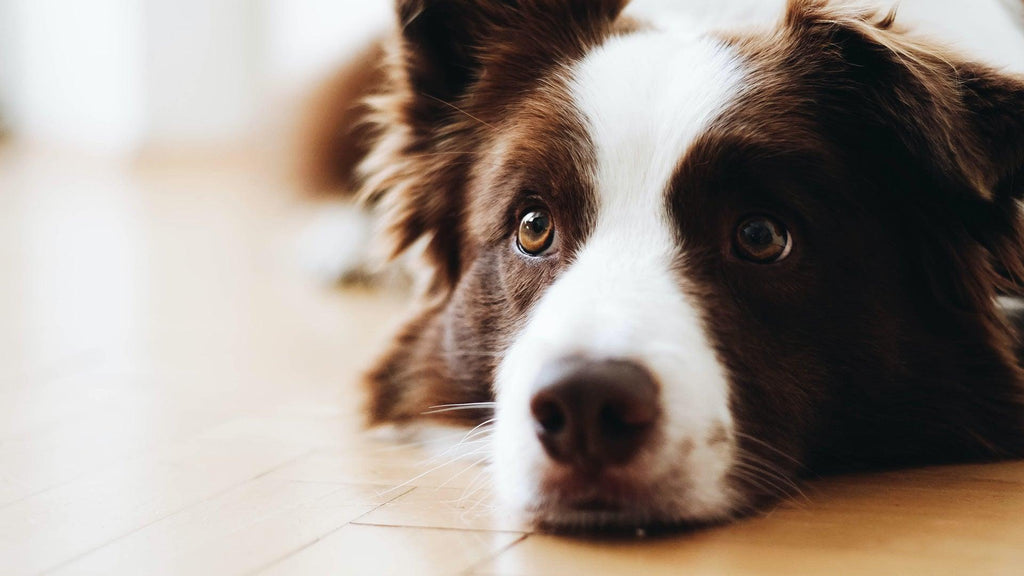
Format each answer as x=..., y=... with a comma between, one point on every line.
x=594, y=414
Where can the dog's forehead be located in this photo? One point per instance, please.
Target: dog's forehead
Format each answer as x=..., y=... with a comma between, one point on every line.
x=644, y=99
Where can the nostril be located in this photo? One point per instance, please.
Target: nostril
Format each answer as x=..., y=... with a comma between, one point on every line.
x=549, y=415
x=612, y=420
x=627, y=415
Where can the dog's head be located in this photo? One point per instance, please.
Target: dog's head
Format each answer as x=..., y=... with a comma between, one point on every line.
x=691, y=267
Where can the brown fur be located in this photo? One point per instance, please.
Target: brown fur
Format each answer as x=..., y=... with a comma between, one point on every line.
x=902, y=166
x=897, y=166
x=433, y=135
x=335, y=133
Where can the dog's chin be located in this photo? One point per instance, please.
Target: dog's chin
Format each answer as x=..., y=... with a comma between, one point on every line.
x=610, y=521
x=605, y=518
x=619, y=508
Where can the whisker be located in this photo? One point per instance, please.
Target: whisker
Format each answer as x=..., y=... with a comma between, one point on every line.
x=466, y=469
x=460, y=110
x=441, y=408
x=770, y=473
x=419, y=443
x=472, y=433
x=422, y=474
x=446, y=153
x=759, y=483
x=476, y=435
x=769, y=447
x=753, y=458
x=771, y=487
x=474, y=353
x=462, y=448
x=776, y=482
x=486, y=484
x=478, y=483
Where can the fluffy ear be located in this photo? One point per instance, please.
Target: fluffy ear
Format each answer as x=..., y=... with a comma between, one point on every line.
x=954, y=127
x=441, y=43
x=448, y=44
x=963, y=118
x=458, y=67
x=993, y=121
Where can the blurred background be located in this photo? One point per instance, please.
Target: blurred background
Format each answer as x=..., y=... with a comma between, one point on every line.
x=120, y=75
x=159, y=345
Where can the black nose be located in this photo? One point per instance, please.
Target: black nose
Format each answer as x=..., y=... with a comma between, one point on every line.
x=594, y=414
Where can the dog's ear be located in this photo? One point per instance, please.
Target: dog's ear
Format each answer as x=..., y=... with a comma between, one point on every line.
x=450, y=44
x=965, y=119
x=950, y=131
x=459, y=67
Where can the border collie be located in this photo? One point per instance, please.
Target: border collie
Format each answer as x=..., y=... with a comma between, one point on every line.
x=684, y=258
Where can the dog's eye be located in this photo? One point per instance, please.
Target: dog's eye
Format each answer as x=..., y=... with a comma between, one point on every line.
x=536, y=232
x=763, y=240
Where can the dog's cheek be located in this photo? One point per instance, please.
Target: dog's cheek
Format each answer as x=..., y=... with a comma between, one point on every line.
x=410, y=376
x=447, y=354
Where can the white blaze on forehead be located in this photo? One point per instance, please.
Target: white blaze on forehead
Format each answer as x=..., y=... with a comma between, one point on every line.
x=644, y=98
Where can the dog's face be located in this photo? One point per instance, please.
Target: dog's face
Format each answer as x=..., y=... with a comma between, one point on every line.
x=690, y=267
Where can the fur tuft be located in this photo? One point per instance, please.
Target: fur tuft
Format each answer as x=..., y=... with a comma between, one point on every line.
x=335, y=133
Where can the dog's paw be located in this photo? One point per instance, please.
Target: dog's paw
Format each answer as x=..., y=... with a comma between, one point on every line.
x=336, y=246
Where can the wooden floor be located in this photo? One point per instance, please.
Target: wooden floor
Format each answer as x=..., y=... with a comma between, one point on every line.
x=177, y=397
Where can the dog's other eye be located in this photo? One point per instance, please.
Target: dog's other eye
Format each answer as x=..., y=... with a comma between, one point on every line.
x=763, y=240
x=536, y=232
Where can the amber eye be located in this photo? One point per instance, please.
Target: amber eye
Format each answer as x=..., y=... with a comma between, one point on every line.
x=536, y=232
x=763, y=240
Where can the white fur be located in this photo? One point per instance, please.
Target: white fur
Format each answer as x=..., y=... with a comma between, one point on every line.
x=644, y=97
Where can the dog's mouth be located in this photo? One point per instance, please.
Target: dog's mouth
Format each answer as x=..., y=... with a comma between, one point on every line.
x=590, y=518
x=573, y=503
x=599, y=517
x=604, y=518
x=597, y=505
x=639, y=497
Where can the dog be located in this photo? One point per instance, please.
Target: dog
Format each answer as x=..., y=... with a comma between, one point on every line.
x=685, y=254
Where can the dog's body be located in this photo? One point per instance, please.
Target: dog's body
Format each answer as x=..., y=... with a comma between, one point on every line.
x=692, y=255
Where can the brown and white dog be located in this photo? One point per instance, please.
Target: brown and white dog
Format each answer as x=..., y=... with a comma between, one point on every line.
x=684, y=259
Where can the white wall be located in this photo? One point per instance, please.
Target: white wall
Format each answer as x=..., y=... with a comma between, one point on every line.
x=306, y=38
x=117, y=74
x=202, y=69
x=75, y=71
x=7, y=60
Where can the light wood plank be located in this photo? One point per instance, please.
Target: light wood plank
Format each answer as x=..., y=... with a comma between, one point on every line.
x=694, y=555
x=403, y=466
x=53, y=527
x=242, y=530
x=471, y=508
x=387, y=551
